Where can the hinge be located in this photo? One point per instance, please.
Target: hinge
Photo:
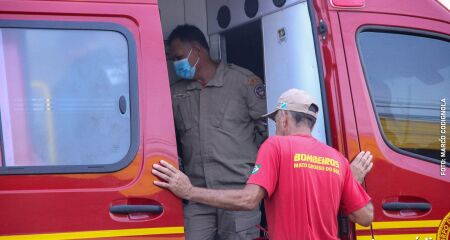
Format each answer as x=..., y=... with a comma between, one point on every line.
x=323, y=29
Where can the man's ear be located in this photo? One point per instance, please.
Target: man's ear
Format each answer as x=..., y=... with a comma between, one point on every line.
x=284, y=118
x=197, y=47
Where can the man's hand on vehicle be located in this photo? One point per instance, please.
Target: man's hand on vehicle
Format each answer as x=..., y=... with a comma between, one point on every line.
x=175, y=181
x=361, y=165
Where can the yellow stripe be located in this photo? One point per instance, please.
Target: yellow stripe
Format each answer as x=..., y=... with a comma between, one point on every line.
x=399, y=237
x=401, y=224
x=98, y=234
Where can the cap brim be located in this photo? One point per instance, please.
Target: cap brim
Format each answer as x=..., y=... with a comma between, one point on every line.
x=270, y=115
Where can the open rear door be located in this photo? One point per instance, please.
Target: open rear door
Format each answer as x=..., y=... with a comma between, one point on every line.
x=290, y=59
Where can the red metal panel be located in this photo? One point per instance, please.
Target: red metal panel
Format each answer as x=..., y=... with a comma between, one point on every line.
x=394, y=174
x=50, y=203
x=431, y=9
x=343, y=126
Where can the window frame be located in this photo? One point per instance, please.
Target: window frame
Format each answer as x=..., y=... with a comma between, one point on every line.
x=404, y=31
x=133, y=99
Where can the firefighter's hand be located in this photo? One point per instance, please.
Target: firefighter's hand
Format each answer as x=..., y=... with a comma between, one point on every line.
x=175, y=180
x=361, y=165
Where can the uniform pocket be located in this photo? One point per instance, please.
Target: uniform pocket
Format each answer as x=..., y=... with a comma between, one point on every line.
x=247, y=219
x=183, y=114
x=219, y=116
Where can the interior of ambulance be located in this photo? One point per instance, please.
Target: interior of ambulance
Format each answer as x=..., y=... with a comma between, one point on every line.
x=272, y=39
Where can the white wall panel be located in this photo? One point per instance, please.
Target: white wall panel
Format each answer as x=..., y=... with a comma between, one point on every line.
x=172, y=14
x=177, y=12
x=290, y=62
x=238, y=16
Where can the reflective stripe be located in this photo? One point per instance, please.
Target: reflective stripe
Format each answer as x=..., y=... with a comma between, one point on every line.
x=401, y=224
x=98, y=234
x=399, y=236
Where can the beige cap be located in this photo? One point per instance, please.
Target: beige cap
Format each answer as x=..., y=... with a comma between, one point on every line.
x=295, y=100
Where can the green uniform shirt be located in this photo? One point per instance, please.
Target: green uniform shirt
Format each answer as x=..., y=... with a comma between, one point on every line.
x=217, y=126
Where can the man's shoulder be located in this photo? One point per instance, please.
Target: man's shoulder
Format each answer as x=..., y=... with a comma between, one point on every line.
x=316, y=145
x=239, y=70
x=274, y=141
x=242, y=75
x=333, y=153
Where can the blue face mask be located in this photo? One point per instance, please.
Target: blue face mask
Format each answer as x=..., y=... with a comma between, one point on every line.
x=184, y=69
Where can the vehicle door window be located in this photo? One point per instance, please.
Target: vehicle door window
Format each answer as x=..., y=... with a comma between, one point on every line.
x=408, y=75
x=64, y=97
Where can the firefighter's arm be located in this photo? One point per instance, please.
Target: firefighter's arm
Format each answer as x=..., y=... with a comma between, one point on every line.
x=240, y=199
x=362, y=216
x=255, y=92
x=355, y=201
x=233, y=199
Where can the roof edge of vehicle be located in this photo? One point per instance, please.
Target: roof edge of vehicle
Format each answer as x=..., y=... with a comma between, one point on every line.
x=98, y=1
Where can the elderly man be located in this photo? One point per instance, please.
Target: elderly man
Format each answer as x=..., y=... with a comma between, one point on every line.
x=303, y=181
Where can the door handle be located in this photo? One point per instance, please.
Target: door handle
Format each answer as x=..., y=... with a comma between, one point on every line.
x=122, y=104
x=128, y=209
x=398, y=206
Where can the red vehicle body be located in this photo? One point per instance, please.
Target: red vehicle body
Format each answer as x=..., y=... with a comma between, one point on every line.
x=71, y=203
x=395, y=177
x=76, y=204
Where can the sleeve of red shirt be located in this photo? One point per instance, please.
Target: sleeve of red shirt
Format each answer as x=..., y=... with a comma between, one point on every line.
x=266, y=171
x=354, y=197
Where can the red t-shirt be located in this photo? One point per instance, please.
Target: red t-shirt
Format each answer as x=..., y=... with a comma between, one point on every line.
x=306, y=183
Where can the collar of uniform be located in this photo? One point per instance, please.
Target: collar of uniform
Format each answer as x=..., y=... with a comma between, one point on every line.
x=194, y=84
x=217, y=80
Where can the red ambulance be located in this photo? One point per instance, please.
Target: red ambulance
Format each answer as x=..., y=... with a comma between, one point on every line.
x=85, y=107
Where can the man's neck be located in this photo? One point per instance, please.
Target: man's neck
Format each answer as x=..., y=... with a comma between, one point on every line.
x=300, y=130
x=207, y=72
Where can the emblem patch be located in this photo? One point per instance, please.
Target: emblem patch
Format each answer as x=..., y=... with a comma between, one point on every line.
x=443, y=231
x=256, y=168
x=260, y=91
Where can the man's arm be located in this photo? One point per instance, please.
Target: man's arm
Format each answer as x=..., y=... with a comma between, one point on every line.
x=256, y=102
x=362, y=216
x=355, y=202
x=175, y=181
x=361, y=165
x=242, y=199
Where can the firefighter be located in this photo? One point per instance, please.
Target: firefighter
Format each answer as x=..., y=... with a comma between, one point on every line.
x=303, y=181
x=216, y=110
